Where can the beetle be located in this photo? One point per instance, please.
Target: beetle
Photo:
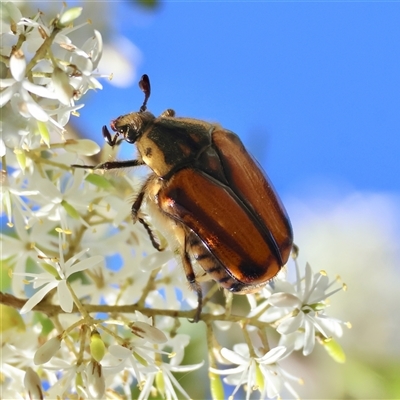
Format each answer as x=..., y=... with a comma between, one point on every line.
x=209, y=193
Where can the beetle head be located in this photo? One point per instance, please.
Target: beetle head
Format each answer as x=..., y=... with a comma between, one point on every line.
x=131, y=126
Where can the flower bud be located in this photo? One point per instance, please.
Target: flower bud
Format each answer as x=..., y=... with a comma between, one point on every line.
x=160, y=383
x=44, y=132
x=97, y=347
x=259, y=378
x=68, y=16
x=45, y=352
x=70, y=209
x=216, y=386
x=18, y=65
x=334, y=349
x=21, y=158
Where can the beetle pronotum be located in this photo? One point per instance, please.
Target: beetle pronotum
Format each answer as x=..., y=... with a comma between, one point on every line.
x=210, y=194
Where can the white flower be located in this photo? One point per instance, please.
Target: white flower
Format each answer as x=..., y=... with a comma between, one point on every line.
x=46, y=90
x=67, y=196
x=11, y=197
x=138, y=353
x=249, y=368
x=20, y=85
x=165, y=380
x=299, y=309
x=58, y=280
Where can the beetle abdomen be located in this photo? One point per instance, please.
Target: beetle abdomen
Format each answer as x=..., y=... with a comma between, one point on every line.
x=212, y=266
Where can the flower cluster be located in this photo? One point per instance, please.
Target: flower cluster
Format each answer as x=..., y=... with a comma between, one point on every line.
x=99, y=309
x=46, y=75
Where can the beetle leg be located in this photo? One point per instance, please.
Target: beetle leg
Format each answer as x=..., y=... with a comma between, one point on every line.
x=137, y=204
x=191, y=278
x=135, y=217
x=153, y=238
x=111, y=165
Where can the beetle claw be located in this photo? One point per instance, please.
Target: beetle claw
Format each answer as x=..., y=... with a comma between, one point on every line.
x=112, y=141
x=197, y=288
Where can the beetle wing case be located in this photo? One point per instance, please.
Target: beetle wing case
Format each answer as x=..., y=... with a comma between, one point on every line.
x=251, y=184
x=237, y=229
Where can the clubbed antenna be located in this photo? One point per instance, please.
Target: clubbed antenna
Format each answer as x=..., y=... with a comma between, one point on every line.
x=144, y=85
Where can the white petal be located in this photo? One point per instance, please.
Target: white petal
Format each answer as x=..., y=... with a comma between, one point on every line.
x=37, y=297
x=98, y=49
x=233, y=357
x=94, y=47
x=229, y=371
x=75, y=257
x=96, y=380
x=41, y=91
x=33, y=384
x=48, y=190
x=94, y=83
x=6, y=95
x=273, y=355
x=18, y=65
x=84, y=64
x=284, y=300
x=291, y=324
x=10, y=12
x=119, y=351
x=84, y=147
x=36, y=111
x=28, y=22
x=84, y=264
x=187, y=367
x=308, y=281
x=149, y=332
x=6, y=83
x=65, y=297
x=62, y=87
x=309, y=338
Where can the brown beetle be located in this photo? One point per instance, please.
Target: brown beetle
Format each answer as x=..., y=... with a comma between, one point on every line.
x=210, y=193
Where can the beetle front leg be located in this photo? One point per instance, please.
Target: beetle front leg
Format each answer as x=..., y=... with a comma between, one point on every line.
x=111, y=165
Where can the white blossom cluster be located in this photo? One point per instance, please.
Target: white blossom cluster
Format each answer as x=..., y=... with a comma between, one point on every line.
x=46, y=74
x=77, y=324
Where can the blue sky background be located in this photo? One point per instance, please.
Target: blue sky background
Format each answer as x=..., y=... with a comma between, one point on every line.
x=313, y=89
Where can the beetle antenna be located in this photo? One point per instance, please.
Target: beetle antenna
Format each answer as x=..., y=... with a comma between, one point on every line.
x=144, y=85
